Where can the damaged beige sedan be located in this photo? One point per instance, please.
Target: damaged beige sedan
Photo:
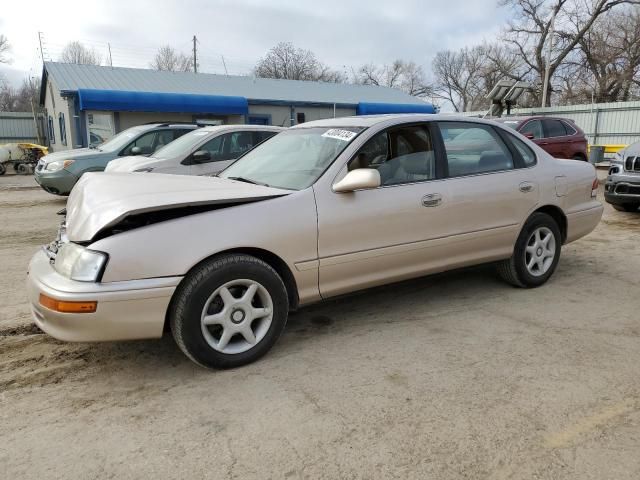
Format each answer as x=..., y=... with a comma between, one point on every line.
x=321, y=209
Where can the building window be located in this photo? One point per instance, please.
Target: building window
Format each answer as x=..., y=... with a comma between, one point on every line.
x=300, y=118
x=52, y=131
x=63, y=129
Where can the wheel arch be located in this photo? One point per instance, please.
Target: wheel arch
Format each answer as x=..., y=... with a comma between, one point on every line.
x=273, y=260
x=558, y=215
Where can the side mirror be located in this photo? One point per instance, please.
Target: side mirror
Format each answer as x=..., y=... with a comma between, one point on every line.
x=358, y=179
x=201, y=156
x=136, y=151
x=530, y=136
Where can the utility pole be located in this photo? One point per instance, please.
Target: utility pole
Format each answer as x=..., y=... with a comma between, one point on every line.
x=224, y=65
x=110, y=59
x=40, y=40
x=545, y=85
x=195, y=56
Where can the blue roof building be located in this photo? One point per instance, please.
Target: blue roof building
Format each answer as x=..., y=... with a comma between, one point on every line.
x=85, y=102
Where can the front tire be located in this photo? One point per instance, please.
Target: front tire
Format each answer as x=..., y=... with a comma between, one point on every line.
x=626, y=207
x=535, y=255
x=229, y=311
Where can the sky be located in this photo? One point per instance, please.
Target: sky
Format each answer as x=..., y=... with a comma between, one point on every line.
x=342, y=33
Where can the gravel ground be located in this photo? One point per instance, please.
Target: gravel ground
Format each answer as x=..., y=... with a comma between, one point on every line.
x=453, y=376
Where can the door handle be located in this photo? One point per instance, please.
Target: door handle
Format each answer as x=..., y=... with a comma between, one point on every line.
x=431, y=200
x=526, y=187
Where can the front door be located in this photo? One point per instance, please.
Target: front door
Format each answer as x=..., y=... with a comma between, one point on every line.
x=372, y=237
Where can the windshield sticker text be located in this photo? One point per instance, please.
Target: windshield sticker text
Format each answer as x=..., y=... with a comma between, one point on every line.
x=338, y=134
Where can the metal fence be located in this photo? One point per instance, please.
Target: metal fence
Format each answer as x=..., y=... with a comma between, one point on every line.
x=17, y=127
x=603, y=123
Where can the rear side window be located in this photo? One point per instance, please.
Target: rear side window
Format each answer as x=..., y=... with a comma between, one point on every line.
x=554, y=128
x=474, y=148
x=259, y=137
x=528, y=157
x=179, y=132
x=401, y=155
x=534, y=127
x=569, y=128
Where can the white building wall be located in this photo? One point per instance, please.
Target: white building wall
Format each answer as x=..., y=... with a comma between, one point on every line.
x=55, y=104
x=281, y=115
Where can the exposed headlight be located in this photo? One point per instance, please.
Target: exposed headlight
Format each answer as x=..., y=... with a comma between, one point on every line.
x=147, y=169
x=79, y=263
x=58, y=165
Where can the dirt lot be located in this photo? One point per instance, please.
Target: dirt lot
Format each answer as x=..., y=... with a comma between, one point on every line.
x=453, y=376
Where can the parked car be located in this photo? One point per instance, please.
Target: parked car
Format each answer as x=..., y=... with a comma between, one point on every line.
x=203, y=152
x=559, y=137
x=622, y=188
x=322, y=209
x=58, y=172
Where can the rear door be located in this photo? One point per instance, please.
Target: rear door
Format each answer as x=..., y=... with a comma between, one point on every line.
x=556, y=138
x=488, y=193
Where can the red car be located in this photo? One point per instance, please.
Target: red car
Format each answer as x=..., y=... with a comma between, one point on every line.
x=559, y=137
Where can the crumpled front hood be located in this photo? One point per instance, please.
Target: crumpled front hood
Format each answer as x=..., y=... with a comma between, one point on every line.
x=101, y=200
x=77, y=154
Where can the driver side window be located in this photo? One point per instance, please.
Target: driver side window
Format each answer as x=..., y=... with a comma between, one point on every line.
x=401, y=155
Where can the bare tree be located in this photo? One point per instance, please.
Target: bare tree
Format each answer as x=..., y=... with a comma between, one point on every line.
x=459, y=77
x=607, y=63
x=288, y=62
x=168, y=59
x=23, y=99
x=76, y=52
x=406, y=76
x=4, y=49
x=530, y=30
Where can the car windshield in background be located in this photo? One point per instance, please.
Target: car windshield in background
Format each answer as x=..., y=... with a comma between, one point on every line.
x=293, y=159
x=120, y=140
x=182, y=145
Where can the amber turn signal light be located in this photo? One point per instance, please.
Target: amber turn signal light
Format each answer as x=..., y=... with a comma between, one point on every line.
x=67, y=307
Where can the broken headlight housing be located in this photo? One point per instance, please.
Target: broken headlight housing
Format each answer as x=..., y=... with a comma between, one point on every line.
x=79, y=263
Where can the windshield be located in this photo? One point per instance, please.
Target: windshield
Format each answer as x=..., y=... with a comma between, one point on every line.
x=122, y=139
x=182, y=145
x=293, y=159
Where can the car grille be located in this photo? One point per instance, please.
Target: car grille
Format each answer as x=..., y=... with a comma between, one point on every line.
x=627, y=189
x=632, y=164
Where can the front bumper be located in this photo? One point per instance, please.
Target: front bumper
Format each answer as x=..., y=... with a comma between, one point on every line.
x=58, y=183
x=622, y=188
x=129, y=310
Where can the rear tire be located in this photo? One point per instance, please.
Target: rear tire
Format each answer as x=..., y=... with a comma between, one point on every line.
x=3, y=169
x=579, y=157
x=229, y=311
x=626, y=207
x=535, y=255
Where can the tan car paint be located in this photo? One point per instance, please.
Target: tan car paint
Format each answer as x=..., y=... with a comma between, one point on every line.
x=335, y=243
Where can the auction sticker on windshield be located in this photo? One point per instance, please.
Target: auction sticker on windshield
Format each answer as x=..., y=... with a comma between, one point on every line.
x=338, y=134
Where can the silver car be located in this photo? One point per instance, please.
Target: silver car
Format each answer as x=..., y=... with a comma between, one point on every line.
x=622, y=188
x=322, y=209
x=205, y=151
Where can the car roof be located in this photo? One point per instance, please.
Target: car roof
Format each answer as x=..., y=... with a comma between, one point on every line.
x=524, y=118
x=371, y=120
x=242, y=127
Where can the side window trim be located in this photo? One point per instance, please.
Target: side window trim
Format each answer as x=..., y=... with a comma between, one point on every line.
x=518, y=161
x=571, y=131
